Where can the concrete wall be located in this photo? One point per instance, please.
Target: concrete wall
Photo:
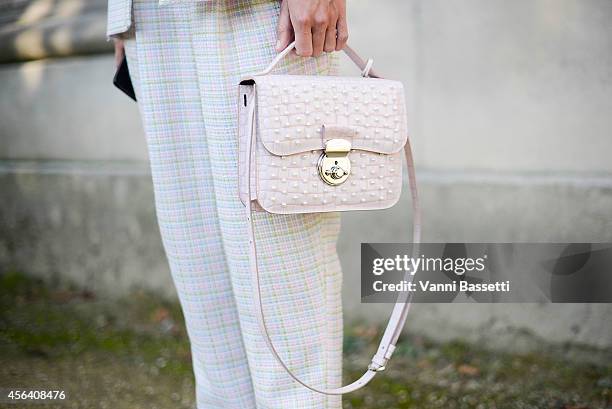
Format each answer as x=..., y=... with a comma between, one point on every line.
x=509, y=114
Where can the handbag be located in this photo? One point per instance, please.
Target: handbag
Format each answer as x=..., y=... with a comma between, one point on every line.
x=312, y=144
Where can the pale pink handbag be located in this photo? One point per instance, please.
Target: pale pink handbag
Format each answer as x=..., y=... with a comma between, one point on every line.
x=324, y=144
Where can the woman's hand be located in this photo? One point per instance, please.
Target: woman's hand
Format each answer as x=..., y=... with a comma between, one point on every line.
x=119, y=51
x=316, y=25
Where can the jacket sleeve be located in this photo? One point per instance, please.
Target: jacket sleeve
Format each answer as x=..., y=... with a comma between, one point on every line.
x=167, y=2
x=119, y=17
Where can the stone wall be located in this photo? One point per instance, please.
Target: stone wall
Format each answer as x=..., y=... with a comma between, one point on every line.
x=509, y=114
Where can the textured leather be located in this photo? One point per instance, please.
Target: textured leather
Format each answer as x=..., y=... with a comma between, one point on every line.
x=292, y=109
x=282, y=122
x=291, y=113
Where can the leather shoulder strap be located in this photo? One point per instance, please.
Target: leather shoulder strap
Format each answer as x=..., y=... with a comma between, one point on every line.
x=401, y=307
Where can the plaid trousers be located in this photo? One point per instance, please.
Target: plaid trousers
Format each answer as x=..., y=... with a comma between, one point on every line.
x=186, y=59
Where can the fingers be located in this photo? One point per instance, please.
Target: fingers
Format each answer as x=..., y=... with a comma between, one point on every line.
x=302, y=26
x=310, y=34
x=318, y=36
x=317, y=25
x=119, y=52
x=330, y=33
x=342, y=37
x=330, y=39
x=341, y=25
x=284, y=29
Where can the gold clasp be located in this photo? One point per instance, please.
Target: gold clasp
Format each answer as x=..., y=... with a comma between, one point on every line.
x=334, y=165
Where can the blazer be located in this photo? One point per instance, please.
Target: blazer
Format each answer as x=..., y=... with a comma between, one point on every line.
x=119, y=16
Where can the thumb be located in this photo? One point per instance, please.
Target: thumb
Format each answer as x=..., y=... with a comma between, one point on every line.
x=119, y=52
x=284, y=30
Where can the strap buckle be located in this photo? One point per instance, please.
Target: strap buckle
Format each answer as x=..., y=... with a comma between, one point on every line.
x=376, y=368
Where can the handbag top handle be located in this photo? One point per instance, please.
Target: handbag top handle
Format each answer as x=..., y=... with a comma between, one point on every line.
x=364, y=66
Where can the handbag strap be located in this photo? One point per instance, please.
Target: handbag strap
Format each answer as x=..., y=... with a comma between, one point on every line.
x=402, y=306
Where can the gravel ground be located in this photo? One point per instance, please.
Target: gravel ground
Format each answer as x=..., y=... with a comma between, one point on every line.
x=133, y=353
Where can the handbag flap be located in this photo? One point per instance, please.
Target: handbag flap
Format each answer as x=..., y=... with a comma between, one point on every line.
x=293, y=111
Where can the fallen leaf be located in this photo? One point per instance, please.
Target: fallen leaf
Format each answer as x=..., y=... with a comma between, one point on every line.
x=160, y=314
x=468, y=370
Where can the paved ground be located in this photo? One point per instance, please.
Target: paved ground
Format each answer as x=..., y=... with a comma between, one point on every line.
x=133, y=353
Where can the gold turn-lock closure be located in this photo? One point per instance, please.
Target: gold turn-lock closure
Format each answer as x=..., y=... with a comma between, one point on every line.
x=334, y=165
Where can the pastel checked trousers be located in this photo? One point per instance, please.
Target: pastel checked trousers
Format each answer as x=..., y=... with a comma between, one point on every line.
x=186, y=58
